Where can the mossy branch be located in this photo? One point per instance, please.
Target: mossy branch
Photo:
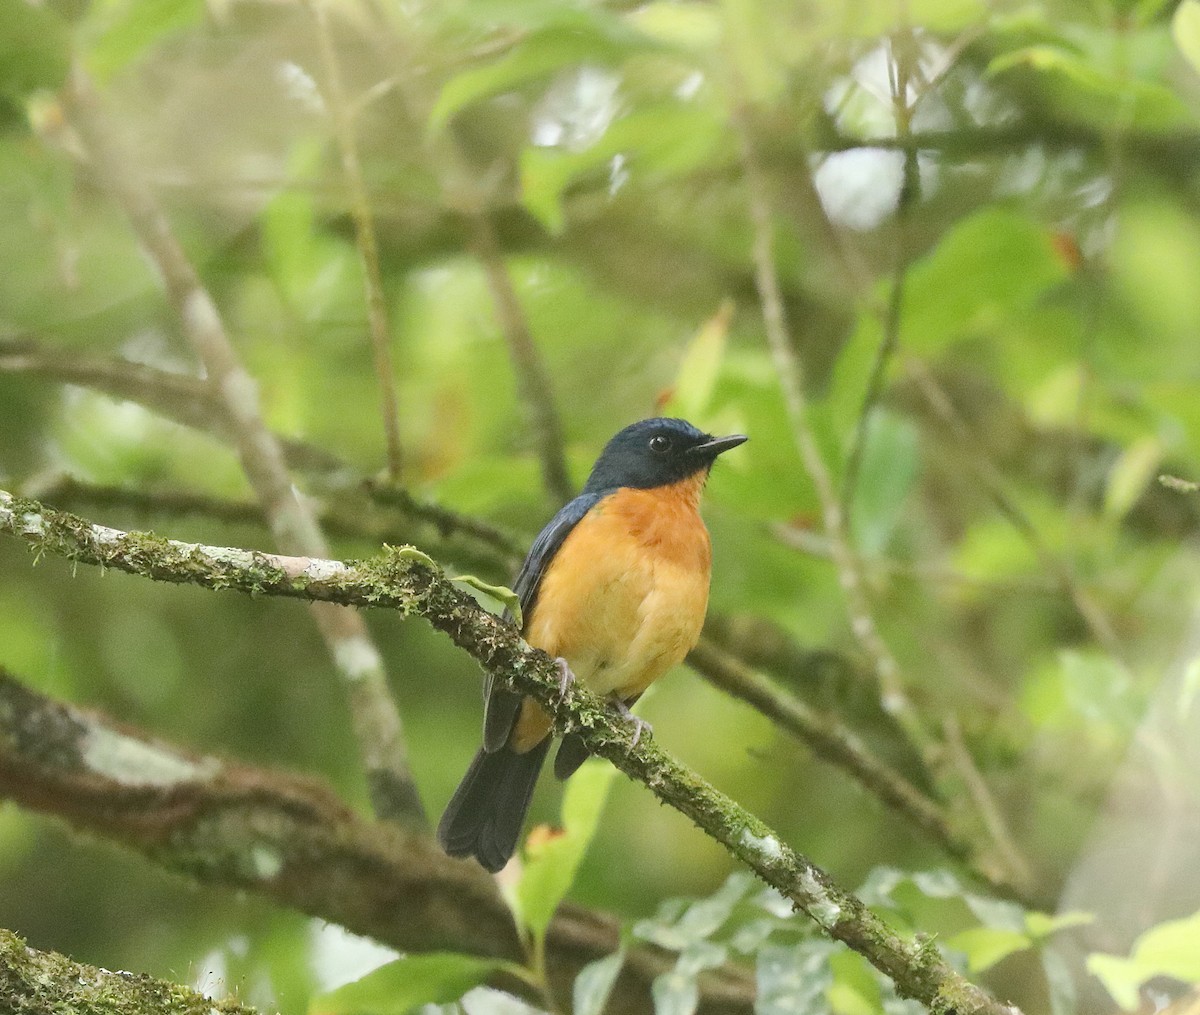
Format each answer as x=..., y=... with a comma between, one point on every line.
x=290, y=839
x=407, y=580
x=469, y=542
x=34, y=982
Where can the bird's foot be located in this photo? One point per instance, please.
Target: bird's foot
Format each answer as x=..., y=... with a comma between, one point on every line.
x=639, y=724
x=565, y=677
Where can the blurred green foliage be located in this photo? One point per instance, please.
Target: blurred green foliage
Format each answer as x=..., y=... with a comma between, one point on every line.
x=1036, y=584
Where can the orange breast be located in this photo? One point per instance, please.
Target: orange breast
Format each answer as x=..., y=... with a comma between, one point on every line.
x=624, y=599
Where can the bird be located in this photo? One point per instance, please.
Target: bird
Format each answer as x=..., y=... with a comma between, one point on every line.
x=615, y=588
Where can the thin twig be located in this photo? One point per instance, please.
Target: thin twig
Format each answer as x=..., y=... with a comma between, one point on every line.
x=1179, y=485
x=448, y=522
x=465, y=192
x=831, y=741
x=985, y=801
x=892, y=691
x=980, y=463
x=932, y=572
x=185, y=400
x=407, y=581
x=899, y=76
x=378, y=728
x=364, y=230
x=533, y=379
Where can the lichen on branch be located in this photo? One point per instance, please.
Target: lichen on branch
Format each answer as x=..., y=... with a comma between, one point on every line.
x=34, y=982
x=406, y=580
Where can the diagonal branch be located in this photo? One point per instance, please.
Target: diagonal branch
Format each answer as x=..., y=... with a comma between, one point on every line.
x=185, y=400
x=377, y=726
x=408, y=581
x=378, y=515
x=723, y=666
x=893, y=692
x=978, y=460
x=833, y=742
x=290, y=839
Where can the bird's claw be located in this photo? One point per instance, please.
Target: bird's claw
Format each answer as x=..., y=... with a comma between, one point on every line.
x=639, y=724
x=565, y=677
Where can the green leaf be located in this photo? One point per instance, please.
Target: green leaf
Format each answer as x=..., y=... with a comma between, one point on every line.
x=1154, y=254
x=675, y=993
x=1172, y=949
x=890, y=465
x=1131, y=473
x=1042, y=925
x=127, y=28
x=687, y=25
x=680, y=924
x=34, y=48
x=1169, y=949
x=550, y=871
x=793, y=979
x=399, y=987
x=595, y=982
x=985, y=946
x=490, y=595
x=678, y=991
x=855, y=987
x=662, y=138
x=1185, y=27
x=1084, y=88
x=400, y=553
x=697, y=374
x=577, y=37
x=1189, y=686
x=1100, y=689
x=989, y=267
x=1121, y=978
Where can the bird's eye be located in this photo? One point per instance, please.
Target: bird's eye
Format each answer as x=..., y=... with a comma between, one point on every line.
x=660, y=444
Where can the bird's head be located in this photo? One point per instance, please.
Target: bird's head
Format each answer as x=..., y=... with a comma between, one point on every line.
x=657, y=452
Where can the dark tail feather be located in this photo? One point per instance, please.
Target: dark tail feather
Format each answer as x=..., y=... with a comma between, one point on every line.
x=484, y=817
x=571, y=754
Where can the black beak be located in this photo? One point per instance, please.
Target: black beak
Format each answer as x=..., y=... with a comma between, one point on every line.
x=718, y=446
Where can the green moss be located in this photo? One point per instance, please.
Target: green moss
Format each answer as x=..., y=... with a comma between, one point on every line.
x=45, y=983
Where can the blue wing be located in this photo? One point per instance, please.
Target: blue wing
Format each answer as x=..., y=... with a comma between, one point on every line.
x=501, y=705
x=546, y=546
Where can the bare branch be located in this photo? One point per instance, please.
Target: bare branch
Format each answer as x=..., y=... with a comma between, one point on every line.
x=985, y=801
x=862, y=623
x=533, y=379
x=185, y=400
x=290, y=839
x=408, y=581
x=900, y=76
x=833, y=742
x=364, y=230
x=979, y=462
x=377, y=724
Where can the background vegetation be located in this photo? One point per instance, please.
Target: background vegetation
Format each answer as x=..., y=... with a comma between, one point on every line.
x=938, y=259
